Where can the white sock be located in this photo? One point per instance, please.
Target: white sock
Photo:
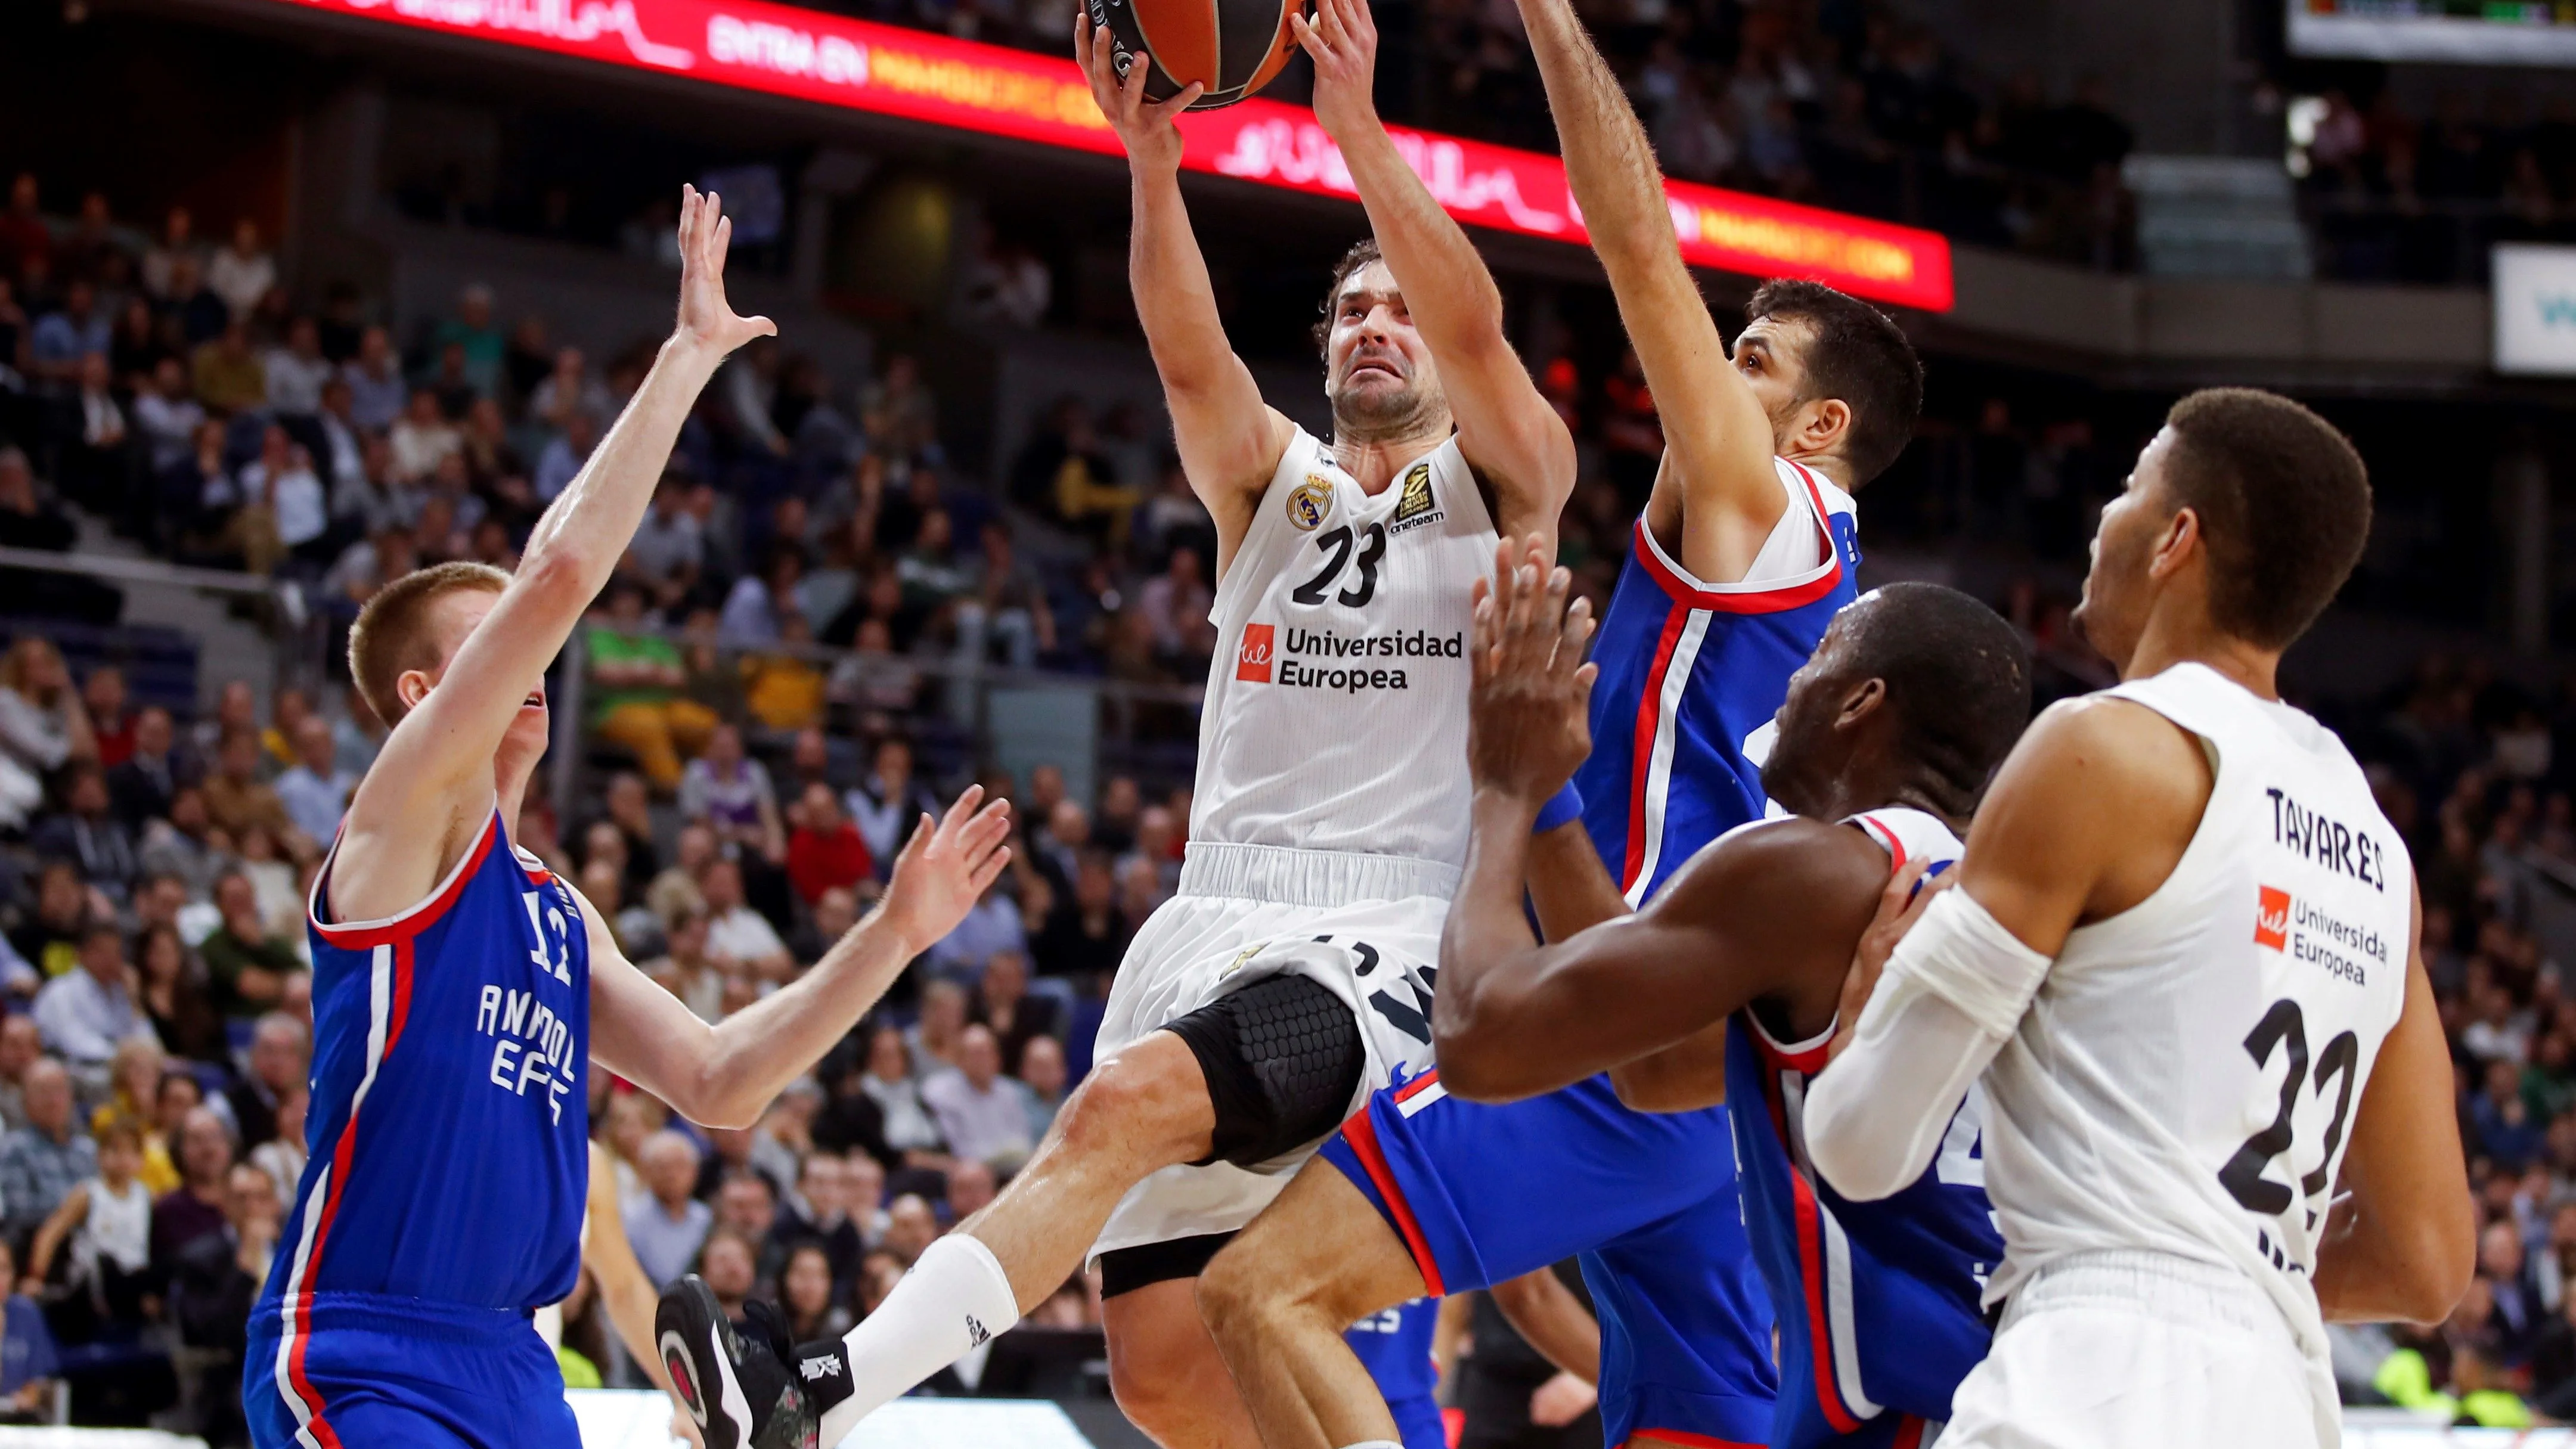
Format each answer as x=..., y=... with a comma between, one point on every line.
x=1374, y=1444
x=953, y=1301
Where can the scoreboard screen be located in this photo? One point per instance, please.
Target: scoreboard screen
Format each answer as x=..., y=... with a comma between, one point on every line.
x=2479, y=32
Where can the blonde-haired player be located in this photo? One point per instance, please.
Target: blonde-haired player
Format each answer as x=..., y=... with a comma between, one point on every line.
x=460, y=990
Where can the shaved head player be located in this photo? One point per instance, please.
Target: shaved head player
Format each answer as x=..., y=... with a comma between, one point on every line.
x=460, y=991
x=1289, y=977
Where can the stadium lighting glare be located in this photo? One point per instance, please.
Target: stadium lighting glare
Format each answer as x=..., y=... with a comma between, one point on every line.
x=783, y=51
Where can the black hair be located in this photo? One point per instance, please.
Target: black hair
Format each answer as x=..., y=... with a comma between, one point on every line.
x=2284, y=503
x=1957, y=676
x=1858, y=354
x=1362, y=252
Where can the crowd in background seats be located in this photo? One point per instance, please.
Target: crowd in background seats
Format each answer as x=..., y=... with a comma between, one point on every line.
x=2397, y=195
x=745, y=795
x=1841, y=104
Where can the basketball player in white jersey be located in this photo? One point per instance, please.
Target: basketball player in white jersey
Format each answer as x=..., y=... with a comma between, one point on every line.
x=2183, y=953
x=1288, y=978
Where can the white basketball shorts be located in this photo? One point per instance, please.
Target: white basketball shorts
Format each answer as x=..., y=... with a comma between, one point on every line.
x=1367, y=927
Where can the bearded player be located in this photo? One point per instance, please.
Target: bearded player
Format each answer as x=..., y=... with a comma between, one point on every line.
x=1286, y=980
x=460, y=991
x=1744, y=554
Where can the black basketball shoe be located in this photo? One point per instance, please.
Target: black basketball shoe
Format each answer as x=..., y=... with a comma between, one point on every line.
x=735, y=1386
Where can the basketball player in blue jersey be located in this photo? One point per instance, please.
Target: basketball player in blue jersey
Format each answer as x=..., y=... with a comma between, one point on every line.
x=1883, y=741
x=460, y=991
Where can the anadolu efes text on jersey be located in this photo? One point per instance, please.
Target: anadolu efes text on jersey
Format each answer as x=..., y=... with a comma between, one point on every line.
x=448, y=1125
x=1340, y=720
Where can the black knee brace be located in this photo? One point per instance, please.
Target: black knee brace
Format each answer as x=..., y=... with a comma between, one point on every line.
x=1282, y=1058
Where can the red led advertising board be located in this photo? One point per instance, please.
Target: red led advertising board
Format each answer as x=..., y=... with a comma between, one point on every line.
x=783, y=51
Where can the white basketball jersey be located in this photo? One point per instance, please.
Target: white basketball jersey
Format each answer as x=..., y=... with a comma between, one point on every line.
x=1336, y=714
x=2185, y=1079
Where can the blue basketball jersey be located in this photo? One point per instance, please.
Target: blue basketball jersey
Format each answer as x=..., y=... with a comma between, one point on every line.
x=1689, y=672
x=448, y=1126
x=1878, y=1302
x=1396, y=1348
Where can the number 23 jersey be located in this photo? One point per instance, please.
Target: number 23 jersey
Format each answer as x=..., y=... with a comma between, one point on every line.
x=2185, y=1080
x=1336, y=714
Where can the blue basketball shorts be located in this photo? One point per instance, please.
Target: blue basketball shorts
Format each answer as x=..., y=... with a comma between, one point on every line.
x=1482, y=1193
x=356, y=1370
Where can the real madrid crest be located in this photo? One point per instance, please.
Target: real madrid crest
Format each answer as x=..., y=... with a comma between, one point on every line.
x=1309, y=502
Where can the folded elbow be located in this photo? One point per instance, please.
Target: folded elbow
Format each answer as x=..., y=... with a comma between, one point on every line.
x=713, y=1103
x=2444, y=1265
x=561, y=569
x=1470, y=1065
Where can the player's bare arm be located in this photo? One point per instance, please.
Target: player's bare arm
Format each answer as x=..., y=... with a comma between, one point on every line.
x=725, y=1075
x=1506, y=430
x=1229, y=440
x=432, y=786
x=2039, y=860
x=1543, y=1310
x=2402, y=1242
x=1717, y=437
x=1514, y=1018
x=2040, y=864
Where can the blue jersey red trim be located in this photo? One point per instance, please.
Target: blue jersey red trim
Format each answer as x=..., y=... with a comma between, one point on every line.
x=445, y=1168
x=1690, y=672
x=361, y=935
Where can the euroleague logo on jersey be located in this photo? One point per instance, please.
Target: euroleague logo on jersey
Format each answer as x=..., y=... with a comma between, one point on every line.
x=1415, y=506
x=1252, y=657
x=2272, y=920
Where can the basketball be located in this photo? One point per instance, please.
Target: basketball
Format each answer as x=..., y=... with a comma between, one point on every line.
x=1232, y=47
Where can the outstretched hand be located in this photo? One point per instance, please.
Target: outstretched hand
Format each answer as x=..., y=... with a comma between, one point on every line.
x=1528, y=710
x=945, y=868
x=706, y=319
x=1342, y=41
x=1144, y=127
x=1900, y=904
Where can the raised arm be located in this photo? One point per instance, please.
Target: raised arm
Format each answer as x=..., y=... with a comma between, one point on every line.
x=2402, y=1242
x=1717, y=437
x=1509, y=433
x=1514, y=1018
x=725, y=1075
x=435, y=775
x=1229, y=439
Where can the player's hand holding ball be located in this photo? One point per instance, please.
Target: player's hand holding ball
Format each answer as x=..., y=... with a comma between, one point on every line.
x=1144, y=127
x=1342, y=41
x=707, y=321
x=1528, y=711
x=945, y=867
